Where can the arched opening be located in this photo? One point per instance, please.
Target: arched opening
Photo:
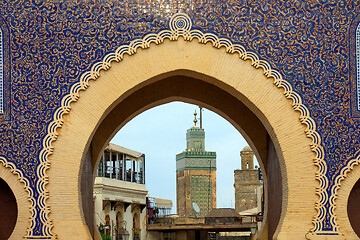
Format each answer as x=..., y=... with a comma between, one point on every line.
x=347, y=202
x=14, y=203
x=159, y=134
x=136, y=224
x=8, y=210
x=188, y=89
x=237, y=92
x=353, y=208
x=120, y=222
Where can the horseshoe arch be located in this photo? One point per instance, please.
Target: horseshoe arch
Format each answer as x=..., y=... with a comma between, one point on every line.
x=194, y=64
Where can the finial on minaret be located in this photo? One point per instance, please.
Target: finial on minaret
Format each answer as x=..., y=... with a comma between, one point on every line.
x=195, y=120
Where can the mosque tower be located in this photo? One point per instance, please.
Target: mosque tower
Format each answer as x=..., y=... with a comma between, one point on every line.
x=195, y=174
x=246, y=182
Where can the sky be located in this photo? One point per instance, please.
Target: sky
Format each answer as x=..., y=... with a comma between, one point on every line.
x=160, y=133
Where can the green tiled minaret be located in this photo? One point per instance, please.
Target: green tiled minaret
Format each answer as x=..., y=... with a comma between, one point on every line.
x=195, y=175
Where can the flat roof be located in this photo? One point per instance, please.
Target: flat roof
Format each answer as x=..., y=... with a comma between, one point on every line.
x=160, y=202
x=217, y=227
x=116, y=148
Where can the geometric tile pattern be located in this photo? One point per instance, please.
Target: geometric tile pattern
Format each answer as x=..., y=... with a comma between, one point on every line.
x=181, y=25
x=1, y=73
x=201, y=193
x=54, y=43
x=357, y=46
x=186, y=161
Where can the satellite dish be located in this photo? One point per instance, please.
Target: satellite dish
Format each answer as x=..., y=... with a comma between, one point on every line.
x=196, y=207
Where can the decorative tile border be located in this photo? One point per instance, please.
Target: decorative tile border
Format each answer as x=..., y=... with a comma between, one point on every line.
x=180, y=26
x=5, y=72
x=1, y=73
x=357, y=47
x=354, y=66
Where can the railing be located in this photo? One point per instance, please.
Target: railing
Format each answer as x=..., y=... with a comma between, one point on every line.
x=119, y=174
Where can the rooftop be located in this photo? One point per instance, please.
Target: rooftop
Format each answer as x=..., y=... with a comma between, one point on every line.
x=223, y=213
x=116, y=148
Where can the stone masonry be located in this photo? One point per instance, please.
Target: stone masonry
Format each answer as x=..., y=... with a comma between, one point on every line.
x=246, y=181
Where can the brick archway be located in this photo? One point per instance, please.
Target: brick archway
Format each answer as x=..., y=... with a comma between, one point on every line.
x=205, y=64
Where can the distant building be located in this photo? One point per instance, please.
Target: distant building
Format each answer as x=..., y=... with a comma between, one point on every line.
x=120, y=193
x=195, y=175
x=226, y=216
x=219, y=224
x=246, y=182
x=158, y=207
x=223, y=215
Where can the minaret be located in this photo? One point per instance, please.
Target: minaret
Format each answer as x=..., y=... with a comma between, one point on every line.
x=247, y=159
x=195, y=174
x=246, y=181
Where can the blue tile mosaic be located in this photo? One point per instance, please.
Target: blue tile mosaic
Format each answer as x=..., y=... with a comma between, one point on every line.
x=48, y=45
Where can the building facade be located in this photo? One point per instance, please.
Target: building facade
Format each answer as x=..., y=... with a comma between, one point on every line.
x=120, y=194
x=246, y=181
x=195, y=176
x=284, y=69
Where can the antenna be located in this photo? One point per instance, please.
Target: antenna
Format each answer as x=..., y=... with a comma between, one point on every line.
x=196, y=207
x=200, y=117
